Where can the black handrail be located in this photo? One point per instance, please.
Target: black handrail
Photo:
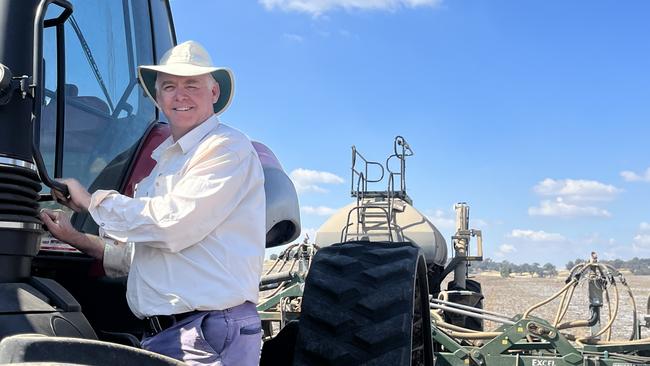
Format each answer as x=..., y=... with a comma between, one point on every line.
x=36, y=86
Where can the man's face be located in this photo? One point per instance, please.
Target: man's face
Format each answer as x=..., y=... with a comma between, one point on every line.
x=186, y=100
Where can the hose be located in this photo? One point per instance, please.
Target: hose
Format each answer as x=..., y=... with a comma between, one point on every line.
x=475, y=335
x=440, y=322
x=564, y=305
x=573, y=282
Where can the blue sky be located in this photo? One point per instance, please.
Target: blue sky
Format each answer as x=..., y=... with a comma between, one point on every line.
x=536, y=113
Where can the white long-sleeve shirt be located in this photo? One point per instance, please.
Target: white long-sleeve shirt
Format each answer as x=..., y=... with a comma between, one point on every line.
x=195, y=228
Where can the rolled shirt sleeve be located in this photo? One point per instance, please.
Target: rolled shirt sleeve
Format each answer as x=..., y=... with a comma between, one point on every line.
x=117, y=258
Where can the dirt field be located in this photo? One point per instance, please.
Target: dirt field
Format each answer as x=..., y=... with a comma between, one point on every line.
x=512, y=296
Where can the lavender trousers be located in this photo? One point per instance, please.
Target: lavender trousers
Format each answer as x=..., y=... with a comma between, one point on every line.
x=231, y=337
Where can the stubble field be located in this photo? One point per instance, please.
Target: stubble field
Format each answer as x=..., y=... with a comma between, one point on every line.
x=511, y=296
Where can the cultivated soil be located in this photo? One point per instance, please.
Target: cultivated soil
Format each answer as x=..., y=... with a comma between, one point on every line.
x=510, y=296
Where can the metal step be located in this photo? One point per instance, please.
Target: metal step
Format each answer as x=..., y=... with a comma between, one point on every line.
x=382, y=216
x=375, y=223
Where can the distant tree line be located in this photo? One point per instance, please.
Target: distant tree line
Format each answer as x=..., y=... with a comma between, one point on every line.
x=506, y=268
x=638, y=266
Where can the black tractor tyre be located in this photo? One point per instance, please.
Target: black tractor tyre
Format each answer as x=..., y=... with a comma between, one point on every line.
x=278, y=351
x=434, y=275
x=366, y=304
x=475, y=301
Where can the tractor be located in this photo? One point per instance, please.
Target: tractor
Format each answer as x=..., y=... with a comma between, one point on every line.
x=368, y=291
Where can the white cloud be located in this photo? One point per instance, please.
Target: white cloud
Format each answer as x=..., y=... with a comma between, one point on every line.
x=563, y=209
x=307, y=180
x=641, y=242
x=293, y=37
x=319, y=7
x=320, y=210
x=507, y=248
x=630, y=176
x=442, y=220
x=536, y=236
x=504, y=250
x=446, y=220
x=577, y=190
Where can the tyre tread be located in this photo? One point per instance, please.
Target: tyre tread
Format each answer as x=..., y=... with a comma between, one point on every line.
x=358, y=305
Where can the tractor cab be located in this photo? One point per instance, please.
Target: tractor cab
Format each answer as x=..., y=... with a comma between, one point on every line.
x=71, y=106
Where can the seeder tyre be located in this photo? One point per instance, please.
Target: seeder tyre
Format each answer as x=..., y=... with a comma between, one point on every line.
x=475, y=301
x=366, y=304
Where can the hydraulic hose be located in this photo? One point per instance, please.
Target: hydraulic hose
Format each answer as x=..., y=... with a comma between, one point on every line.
x=440, y=322
x=580, y=323
x=469, y=335
x=564, y=305
x=573, y=282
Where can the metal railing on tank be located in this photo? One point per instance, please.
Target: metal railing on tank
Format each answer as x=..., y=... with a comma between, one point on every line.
x=376, y=200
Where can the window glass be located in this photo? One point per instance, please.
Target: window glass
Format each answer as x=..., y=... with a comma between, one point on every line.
x=106, y=111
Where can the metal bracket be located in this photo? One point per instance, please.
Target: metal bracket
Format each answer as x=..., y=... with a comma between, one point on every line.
x=25, y=85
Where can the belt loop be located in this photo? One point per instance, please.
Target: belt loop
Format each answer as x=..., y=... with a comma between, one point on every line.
x=155, y=324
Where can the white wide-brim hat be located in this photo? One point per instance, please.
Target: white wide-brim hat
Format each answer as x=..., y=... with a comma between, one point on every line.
x=189, y=59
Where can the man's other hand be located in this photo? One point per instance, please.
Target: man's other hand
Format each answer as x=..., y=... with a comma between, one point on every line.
x=79, y=199
x=58, y=223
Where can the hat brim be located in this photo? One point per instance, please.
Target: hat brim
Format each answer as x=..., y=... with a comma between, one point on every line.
x=223, y=76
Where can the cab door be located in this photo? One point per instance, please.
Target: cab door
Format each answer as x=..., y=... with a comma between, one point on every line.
x=106, y=119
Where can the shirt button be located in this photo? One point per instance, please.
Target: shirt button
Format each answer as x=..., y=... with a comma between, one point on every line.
x=102, y=224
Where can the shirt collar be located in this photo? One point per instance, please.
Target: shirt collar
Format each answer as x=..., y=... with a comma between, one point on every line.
x=190, y=139
x=194, y=136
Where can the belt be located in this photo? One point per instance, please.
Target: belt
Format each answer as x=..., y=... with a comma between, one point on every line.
x=157, y=323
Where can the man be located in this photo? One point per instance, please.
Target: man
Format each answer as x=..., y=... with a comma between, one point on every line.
x=192, y=239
